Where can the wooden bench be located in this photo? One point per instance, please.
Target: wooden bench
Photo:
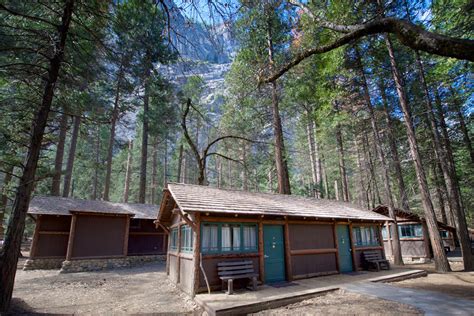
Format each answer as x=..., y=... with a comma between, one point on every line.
x=374, y=258
x=233, y=270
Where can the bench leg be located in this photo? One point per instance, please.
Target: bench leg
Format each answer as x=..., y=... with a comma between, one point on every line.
x=230, y=287
x=254, y=283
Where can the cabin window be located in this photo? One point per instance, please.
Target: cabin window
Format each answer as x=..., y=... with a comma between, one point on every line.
x=174, y=239
x=410, y=231
x=384, y=232
x=365, y=236
x=209, y=237
x=186, y=239
x=228, y=237
x=443, y=233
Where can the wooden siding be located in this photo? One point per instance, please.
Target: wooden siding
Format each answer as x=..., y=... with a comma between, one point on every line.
x=51, y=236
x=98, y=236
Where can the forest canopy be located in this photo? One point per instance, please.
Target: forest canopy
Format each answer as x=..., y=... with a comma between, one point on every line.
x=364, y=102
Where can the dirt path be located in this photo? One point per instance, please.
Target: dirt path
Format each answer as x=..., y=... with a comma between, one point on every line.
x=344, y=303
x=122, y=291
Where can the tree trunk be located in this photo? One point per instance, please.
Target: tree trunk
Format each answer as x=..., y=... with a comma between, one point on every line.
x=457, y=210
x=180, y=163
x=397, y=250
x=280, y=159
x=11, y=248
x=95, y=188
x=165, y=164
x=439, y=193
x=71, y=156
x=4, y=197
x=113, y=123
x=462, y=124
x=363, y=193
x=373, y=175
x=128, y=172
x=144, y=151
x=324, y=175
x=402, y=191
x=315, y=173
x=336, y=190
x=440, y=259
x=342, y=163
x=58, y=161
x=244, y=172
x=154, y=167
x=229, y=174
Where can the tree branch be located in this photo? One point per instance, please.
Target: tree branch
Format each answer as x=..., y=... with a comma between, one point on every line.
x=407, y=33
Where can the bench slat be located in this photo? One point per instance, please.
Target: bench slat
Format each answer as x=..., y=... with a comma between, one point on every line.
x=235, y=267
x=233, y=263
x=223, y=273
x=241, y=276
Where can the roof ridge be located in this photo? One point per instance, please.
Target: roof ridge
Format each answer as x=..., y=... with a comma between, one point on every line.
x=264, y=193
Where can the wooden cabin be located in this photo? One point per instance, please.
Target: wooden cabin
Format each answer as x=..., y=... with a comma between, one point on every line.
x=72, y=230
x=285, y=237
x=413, y=233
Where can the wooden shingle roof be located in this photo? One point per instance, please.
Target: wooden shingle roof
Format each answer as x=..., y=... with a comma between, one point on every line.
x=195, y=198
x=55, y=205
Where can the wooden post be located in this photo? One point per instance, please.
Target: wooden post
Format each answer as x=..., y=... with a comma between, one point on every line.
x=178, y=258
x=261, y=254
x=72, y=232
x=34, y=242
x=289, y=270
x=389, y=238
x=353, y=250
x=336, y=245
x=125, y=238
x=197, y=251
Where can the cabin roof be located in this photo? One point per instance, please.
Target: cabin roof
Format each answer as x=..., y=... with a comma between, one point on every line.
x=383, y=209
x=196, y=198
x=55, y=205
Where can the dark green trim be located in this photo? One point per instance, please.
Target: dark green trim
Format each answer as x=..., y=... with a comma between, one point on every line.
x=219, y=238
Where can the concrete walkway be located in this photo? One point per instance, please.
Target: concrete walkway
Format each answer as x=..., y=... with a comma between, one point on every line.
x=432, y=303
x=268, y=296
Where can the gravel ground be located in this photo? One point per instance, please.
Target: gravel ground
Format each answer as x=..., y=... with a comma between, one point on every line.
x=122, y=291
x=459, y=284
x=343, y=303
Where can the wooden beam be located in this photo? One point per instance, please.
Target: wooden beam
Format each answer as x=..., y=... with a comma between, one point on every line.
x=45, y=232
x=147, y=233
x=72, y=232
x=125, y=238
x=167, y=231
x=289, y=270
x=179, y=258
x=312, y=251
x=188, y=221
x=34, y=243
x=389, y=236
x=197, y=251
x=261, y=253
x=336, y=245
x=353, y=250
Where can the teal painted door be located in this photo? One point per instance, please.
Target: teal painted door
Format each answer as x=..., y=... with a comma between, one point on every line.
x=344, y=244
x=274, y=253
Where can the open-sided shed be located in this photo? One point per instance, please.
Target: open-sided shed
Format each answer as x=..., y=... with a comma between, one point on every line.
x=285, y=237
x=70, y=229
x=413, y=233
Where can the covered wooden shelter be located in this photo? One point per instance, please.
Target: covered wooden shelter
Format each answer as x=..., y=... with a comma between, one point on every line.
x=285, y=237
x=73, y=229
x=413, y=233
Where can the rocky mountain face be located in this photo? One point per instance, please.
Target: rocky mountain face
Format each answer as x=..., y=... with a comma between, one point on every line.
x=206, y=52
